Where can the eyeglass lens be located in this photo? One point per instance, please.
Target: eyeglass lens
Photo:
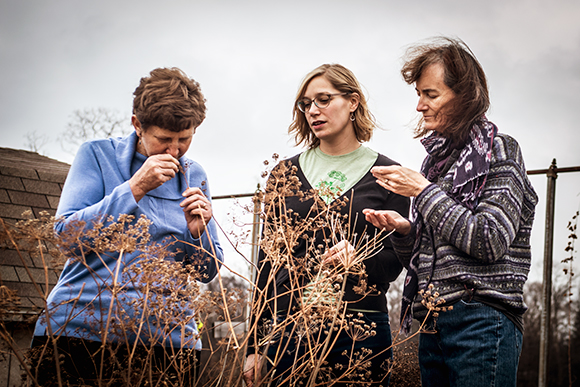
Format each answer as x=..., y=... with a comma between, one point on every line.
x=320, y=101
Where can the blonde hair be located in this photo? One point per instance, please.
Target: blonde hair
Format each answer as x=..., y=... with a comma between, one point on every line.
x=343, y=80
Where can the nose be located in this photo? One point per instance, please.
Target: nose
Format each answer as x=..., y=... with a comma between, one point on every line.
x=421, y=105
x=173, y=150
x=313, y=110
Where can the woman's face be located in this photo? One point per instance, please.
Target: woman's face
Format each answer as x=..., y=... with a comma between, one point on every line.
x=156, y=140
x=333, y=121
x=434, y=95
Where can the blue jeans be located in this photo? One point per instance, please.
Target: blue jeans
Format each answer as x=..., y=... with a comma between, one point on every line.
x=343, y=351
x=472, y=345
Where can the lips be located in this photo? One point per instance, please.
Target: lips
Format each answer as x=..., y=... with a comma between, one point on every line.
x=317, y=124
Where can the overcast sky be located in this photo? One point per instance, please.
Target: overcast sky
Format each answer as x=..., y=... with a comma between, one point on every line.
x=250, y=57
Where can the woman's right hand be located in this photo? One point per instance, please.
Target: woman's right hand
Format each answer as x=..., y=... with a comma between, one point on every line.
x=400, y=180
x=155, y=171
x=387, y=220
x=252, y=370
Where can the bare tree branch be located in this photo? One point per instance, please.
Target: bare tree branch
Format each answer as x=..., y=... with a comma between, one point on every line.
x=89, y=124
x=35, y=141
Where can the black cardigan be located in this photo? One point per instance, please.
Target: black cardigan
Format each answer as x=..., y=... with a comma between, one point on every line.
x=381, y=269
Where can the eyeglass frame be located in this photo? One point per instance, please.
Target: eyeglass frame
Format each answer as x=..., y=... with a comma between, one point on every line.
x=330, y=96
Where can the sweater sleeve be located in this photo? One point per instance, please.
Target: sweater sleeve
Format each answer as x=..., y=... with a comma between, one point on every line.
x=83, y=197
x=403, y=245
x=486, y=233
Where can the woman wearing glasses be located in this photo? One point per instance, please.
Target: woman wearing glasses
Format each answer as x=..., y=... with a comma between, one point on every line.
x=331, y=178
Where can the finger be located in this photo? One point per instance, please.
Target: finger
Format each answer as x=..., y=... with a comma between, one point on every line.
x=196, y=198
x=371, y=220
x=381, y=221
x=193, y=191
x=164, y=161
x=160, y=171
x=381, y=175
x=168, y=171
x=248, y=378
x=332, y=260
x=379, y=169
x=196, y=203
x=385, y=170
x=382, y=183
x=194, y=194
x=196, y=210
x=329, y=257
x=338, y=248
x=173, y=167
x=165, y=157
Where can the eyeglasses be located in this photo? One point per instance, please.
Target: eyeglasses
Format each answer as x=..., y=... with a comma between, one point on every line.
x=322, y=101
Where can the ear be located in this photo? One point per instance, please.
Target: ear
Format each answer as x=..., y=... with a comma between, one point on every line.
x=354, y=101
x=137, y=125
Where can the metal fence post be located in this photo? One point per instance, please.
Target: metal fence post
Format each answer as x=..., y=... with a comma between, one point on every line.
x=256, y=223
x=552, y=175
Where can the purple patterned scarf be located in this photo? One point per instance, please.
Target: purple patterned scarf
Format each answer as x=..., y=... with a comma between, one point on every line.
x=470, y=175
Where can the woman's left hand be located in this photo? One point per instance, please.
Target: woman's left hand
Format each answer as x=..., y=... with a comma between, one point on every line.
x=387, y=220
x=400, y=180
x=197, y=210
x=341, y=253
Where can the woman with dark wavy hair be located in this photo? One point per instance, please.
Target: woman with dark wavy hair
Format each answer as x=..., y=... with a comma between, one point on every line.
x=467, y=246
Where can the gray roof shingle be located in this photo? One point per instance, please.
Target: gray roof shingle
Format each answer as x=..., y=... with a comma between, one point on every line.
x=28, y=182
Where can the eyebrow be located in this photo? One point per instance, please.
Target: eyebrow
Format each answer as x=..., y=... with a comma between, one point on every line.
x=427, y=90
x=318, y=95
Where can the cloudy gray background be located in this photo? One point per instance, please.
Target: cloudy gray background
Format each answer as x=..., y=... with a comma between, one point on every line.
x=250, y=56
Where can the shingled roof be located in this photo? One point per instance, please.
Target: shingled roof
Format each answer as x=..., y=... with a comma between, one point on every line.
x=28, y=182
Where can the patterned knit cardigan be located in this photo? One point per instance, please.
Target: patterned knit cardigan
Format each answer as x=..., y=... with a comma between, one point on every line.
x=488, y=249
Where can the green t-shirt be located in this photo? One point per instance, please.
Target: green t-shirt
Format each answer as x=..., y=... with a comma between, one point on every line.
x=334, y=175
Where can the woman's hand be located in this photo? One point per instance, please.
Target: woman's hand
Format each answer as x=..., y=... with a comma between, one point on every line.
x=388, y=220
x=343, y=253
x=400, y=180
x=155, y=171
x=197, y=210
x=252, y=370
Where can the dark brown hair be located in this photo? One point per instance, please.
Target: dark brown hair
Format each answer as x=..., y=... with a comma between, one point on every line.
x=169, y=99
x=343, y=80
x=462, y=73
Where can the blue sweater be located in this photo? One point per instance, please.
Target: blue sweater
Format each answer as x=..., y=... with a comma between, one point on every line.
x=98, y=184
x=486, y=251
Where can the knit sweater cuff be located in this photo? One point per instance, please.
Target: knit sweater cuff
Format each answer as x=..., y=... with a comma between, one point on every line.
x=427, y=201
x=404, y=240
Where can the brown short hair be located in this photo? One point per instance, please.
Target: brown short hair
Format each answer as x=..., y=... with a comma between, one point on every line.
x=463, y=74
x=343, y=80
x=169, y=99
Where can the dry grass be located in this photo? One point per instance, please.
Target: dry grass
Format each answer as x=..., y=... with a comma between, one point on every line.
x=319, y=317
